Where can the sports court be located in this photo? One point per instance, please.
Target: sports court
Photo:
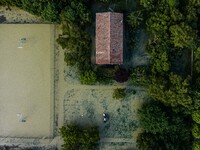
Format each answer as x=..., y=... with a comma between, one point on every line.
x=26, y=80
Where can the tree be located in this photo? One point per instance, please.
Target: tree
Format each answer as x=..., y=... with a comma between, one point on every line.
x=139, y=76
x=50, y=13
x=197, y=60
x=173, y=91
x=182, y=35
x=70, y=135
x=17, y=3
x=158, y=23
x=77, y=138
x=173, y=3
x=196, y=98
x=147, y=141
x=76, y=13
x=148, y=4
x=160, y=62
x=70, y=58
x=196, y=116
x=88, y=77
x=62, y=41
x=135, y=19
x=196, y=145
x=89, y=138
x=33, y=6
x=196, y=130
x=163, y=128
x=150, y=120
x=176, y=15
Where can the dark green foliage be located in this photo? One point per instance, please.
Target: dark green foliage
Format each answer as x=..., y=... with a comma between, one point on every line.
x=196, y=99
x=173, y=3
x=147, y=141
x=33, y=6
x=172, y=27
x=148, y=4
x=119, y=93
x=163, y=128
x=88, y=77
x=158, y=23
x=50, y=13
x=151, y=121
x=75, y=41
x=75, y=13
x=70, y=134
x=196, y=145
x=77, y=45
x=196, y=130
x=196, y=116
x=103, y=1
x=76, y=138
x=173, y=93
x=139, y=76
x=159, y=61
x=176, y=15
x=17, y=3
x=135, y=19
x=182, y=35
x=70, y=58
x=62, y=41
x=89, y=138
x=107, y=71
x=197, y=60
x=105, y=74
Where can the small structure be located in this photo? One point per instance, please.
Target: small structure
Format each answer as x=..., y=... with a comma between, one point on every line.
x=109, y=38
x=21, y=42
x=21, y=117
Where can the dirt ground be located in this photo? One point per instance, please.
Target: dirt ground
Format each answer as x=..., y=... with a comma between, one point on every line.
x=26, y=80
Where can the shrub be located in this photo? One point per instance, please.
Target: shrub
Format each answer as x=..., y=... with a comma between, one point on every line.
x=196, y=116
x=173, y=3
x=138, y=76
x=76, y=138
x=50, y=13
x=163, y=128
x=182, y=35
x=88, y=77
x=196, y=145
x=70, y=58
x=76, y=12
x=147, y=141
x=62, y=41
x=196, y=130
x=149, y=119
x=119, y=93
x=135, y=19
x=11, y=2
x=33, y=6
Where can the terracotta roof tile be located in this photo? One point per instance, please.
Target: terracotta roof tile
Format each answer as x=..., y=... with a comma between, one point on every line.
x=109, y=38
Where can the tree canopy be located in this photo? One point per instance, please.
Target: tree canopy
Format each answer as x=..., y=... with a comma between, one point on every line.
x=163, y=128
x=78, y=138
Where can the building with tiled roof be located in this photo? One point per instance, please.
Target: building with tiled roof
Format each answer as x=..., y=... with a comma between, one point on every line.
x=109, y=38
